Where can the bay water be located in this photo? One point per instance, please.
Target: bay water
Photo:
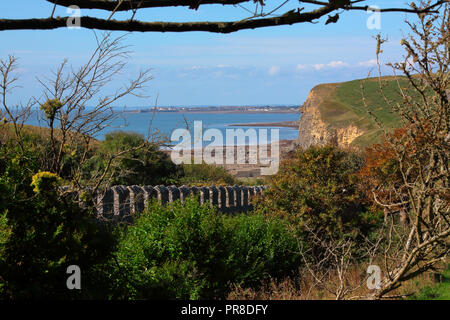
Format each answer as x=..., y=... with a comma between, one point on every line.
x=164, y=123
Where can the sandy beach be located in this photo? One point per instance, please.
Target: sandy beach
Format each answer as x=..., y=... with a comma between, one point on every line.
x=251, y=170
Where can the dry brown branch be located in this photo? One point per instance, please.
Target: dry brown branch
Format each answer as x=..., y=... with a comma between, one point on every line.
x=330, y=271
x=422, y=155
x=75, y=106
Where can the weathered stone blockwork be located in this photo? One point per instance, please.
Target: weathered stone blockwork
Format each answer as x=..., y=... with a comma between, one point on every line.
x=121, y=203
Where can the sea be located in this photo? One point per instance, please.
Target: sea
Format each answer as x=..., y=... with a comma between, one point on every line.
x=164, y=123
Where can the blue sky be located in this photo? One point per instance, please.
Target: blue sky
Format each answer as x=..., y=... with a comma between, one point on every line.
x=277, y=65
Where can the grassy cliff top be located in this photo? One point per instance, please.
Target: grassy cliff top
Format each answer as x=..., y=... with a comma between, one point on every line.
x=341, y=105
x=35, y=133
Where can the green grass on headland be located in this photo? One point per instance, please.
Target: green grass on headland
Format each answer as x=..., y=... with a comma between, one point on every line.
x=341, y=105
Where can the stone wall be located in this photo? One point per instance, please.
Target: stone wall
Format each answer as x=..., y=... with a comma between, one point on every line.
x=120, y=203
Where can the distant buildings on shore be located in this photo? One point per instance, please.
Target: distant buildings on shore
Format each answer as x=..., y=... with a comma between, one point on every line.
x=221, y=109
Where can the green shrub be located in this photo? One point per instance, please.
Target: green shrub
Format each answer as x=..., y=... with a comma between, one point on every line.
x=262, y=247
x=38, y=144
x=440, y=290
x=42, y=233
x=190, y=251
x=143, y=164
x=318, y=191
x=201, y=174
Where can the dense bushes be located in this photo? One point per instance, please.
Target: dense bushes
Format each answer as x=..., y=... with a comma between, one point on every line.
x=143, y=163
x=201, y=174
x=191, y=251
x=178, y=251
x=138, y=162
x=263, y=247
x=41, y=234
x=318, y=189
x=126, y=156
x=318, y=192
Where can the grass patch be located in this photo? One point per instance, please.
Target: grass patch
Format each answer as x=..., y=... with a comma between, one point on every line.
x=341, y=105
x=440, y=290
x=350, y=94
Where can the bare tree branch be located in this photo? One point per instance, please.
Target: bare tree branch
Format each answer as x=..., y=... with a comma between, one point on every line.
x=260, y=20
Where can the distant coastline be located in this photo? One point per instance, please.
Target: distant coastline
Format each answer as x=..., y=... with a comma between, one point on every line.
x=220, y=109
x=287, y=124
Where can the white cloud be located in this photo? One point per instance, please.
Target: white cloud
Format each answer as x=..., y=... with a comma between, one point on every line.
x=301, y=67
x=198, y=67
x=323, y=66
x=369, y=63
x=274, y=70
x=337, y=64
x=319, y=66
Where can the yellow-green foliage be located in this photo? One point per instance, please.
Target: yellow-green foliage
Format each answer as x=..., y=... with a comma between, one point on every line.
x=50, y=107
x=5, y=230
x=43, y=232
x=45, y=181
